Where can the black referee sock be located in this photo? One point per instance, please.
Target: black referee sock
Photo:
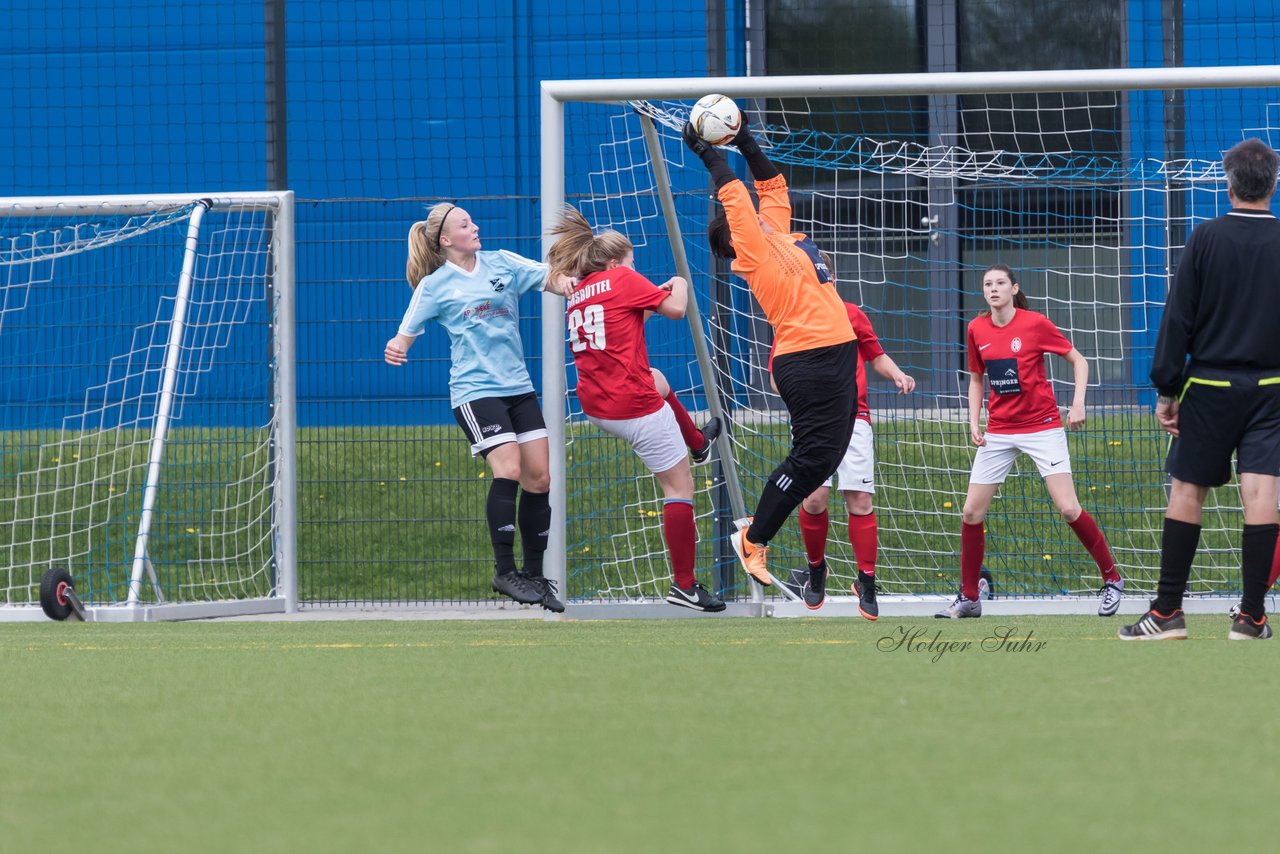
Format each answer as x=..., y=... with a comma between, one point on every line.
x=1177, y=552
x=535, y=526
x=500, y=511
x=1257, y=547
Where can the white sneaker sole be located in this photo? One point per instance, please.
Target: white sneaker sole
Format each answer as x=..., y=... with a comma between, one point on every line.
x=1241, y=636
x=1171, y=634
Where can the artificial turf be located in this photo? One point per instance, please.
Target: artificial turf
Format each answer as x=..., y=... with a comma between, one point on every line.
x=706, y=735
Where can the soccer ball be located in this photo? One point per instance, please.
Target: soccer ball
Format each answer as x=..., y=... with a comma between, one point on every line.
x=716, y=119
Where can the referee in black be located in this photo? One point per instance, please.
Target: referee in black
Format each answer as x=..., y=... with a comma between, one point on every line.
x=1217, y=372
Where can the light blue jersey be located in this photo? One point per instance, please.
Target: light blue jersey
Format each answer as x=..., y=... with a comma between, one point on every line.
x=480, y=311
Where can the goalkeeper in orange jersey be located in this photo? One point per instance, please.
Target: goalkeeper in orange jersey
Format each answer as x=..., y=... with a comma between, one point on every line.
x=815, y=349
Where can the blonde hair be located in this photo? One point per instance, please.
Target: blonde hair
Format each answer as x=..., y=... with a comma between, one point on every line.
x=578, y=252
x=425, y=254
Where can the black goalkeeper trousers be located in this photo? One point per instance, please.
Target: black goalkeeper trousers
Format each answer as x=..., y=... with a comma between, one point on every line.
x=820, y=390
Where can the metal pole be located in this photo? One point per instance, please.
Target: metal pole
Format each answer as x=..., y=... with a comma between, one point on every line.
x=711, y=388
x=555, y=560
x=173, y=351
x=286, y=408
x=276, y=100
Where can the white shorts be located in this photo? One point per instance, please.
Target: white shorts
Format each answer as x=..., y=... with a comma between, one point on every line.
x=994, y=460
x=857, y=471
x=655, y=437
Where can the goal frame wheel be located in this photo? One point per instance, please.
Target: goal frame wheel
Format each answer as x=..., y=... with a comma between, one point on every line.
x=58, y=596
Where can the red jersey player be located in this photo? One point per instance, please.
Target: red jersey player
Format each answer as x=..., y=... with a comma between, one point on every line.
x=1008, y=344
x=616, y=387
x=856, y=476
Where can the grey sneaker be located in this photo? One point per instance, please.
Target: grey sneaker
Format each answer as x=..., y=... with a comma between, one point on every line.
x=961, y=608
x=1112, y=593
x=1157, y=626
x=1244, y=628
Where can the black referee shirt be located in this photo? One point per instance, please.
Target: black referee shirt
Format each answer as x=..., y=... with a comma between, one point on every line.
x=1223, y=311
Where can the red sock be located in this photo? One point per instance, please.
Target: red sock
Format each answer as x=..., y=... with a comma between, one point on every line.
x=682, y=536
x=973, y=548
x=693, y=437
x=1275, y=566
x=813, y=530
x=863, y=536
x=1091, y=536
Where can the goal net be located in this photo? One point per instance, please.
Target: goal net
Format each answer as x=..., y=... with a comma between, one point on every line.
x=146, y=350
x=1085, y=183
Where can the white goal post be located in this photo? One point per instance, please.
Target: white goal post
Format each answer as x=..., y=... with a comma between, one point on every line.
x=148, y=376
x=1085, y=180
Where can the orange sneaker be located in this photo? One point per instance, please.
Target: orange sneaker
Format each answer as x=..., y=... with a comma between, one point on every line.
x=752, y=557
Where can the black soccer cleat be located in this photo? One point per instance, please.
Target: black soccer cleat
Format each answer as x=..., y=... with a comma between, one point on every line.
x=517, y=587
x=697, y=598
x=815, y=589
x=1157, y=626
x=864, y=587
x=711, y=432
x=547, y=588
x=1245, y=627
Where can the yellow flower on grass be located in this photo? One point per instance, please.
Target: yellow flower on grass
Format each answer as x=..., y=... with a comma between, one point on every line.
x=1048, y=557
x=402, y=477
x=191, y=530
x=437, y=464
x=947, y=504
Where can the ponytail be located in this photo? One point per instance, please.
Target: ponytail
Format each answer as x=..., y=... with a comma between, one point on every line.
x=425, y=256
x=578, y=252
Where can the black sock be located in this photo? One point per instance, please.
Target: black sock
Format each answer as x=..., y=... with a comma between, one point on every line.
x=500, y=510
x=535, y=525
x=771, y=514
x=1257, y=547
x=1177, y=552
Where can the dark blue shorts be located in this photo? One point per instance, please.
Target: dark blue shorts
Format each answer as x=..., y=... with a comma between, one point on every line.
x=1224, y=413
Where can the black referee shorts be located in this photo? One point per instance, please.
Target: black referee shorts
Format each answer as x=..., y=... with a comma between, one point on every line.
x=1225, y=412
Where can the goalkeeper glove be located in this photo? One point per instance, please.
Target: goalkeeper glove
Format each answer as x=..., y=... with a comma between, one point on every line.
x=721, y=174
x=762, y=169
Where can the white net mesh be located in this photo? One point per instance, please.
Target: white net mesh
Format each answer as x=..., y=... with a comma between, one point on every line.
x=1075, y=191
x=89, y=306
